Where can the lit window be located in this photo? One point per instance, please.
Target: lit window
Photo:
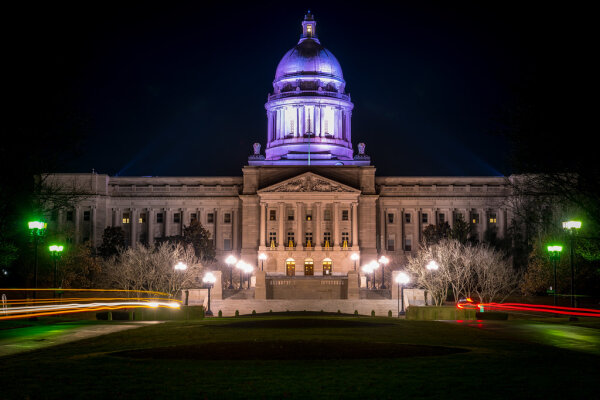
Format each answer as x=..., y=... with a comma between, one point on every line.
x=142, y=218
x=344, y=215
x=125, y=218
x=309, y=30
x=327, y=267
x=424, y=218
x=346, y=238
x=272, y=239
x=474, y=218
x=272, y=215
x=227, y=218
x=86, y=215
x=390, y=218
x=326, y=238
x=492, y=218
x=308, y=236
x=407, y=218
x=309, y=215
x=290, y=238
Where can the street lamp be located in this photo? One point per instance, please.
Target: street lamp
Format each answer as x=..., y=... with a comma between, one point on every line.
x=244, y=268
x=383, y=260
x=55, y=253
x=231, y=260
x=36, y=230
x=180, y=267
x=432, y=266
x=262, y=257
x=401, y=279
x=209, y=279
x=354, y=257
x=367, y=269
x=554, y=257
x=572, y=227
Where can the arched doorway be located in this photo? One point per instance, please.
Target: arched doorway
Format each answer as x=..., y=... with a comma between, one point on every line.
x=309, y=267
x=327, y=264
x=290, y=267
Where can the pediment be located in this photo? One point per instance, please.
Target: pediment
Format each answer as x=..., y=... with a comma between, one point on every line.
x=309, y=182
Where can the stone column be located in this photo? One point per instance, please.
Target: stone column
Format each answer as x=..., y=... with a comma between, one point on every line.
x=338, y=124
x=77, y=225
x=317, y=120
x=354, y=224
x=382, y=227
x=484, y=222
x=269, y=127
x=317, y=221
x=301, y=123
x=451, y=217
x=263, y=210
x=416, y=230
x=216, y=224
x=133, y=222
x=234, y=231
x=402, y=230
x=281, y=236
x=167, y=222
x=353, y=286
x=299, y=222
x=399, y=244
x=336, y=225
x=93, y=226
x=150, y=214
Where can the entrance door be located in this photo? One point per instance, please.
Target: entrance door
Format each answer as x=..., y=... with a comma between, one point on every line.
x=326, y=267
x=290, y=268
x=309, y=267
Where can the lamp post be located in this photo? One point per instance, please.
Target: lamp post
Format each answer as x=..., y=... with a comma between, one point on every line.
x=248, y=270
x=355, y=258
x=180, y=267
x=367, y=269
x=209, y=279
x=243, y=267
x=401, y=279
x=432, y=266
x=55, y=253
x=36, y=230
x=554, y=257
x=383, y=260
x=262, y=257
x=231, y=260
x=572, y=227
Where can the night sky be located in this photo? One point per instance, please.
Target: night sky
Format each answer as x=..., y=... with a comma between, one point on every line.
x=178, y=89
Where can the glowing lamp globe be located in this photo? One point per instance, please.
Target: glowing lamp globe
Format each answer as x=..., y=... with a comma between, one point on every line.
x=402, y=278
x=209, y=277
x=180, y=266
x=571, y=225
x=432, y=266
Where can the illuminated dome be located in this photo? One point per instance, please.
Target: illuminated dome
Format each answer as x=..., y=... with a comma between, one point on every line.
x=309, y=58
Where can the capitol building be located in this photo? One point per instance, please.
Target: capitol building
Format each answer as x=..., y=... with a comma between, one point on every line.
x=309, y=199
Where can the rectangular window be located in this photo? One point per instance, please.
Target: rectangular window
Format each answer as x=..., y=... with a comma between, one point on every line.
x=272, y=239
x=227, y=218
x=474, y=218
x=407, y=244
x=390, y=218
x=142, y=218
x=226, y=244
x=327, y=215
x=345, y=238
x=327, y=238
x=492, y=218
x=159, y=218
x=290, y=239
x=407, y=217
x=309, y=215
x=86, y=215
x=193, y=217
x=441, y=218
x=308, y=237
x=292, y=131
x=326, y=127
x=125, y=217
x=424, y=218
x=210, y=218
x=390, y=244
x=176, y=218
x=272, y=215
x=69, y=215
x=344, y=215
x=290, y=215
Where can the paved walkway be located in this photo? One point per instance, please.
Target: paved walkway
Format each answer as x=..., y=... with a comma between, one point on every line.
x=563, y=335
x=18, y=340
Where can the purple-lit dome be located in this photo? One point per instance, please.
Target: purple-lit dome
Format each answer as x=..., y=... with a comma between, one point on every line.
x=308, y=58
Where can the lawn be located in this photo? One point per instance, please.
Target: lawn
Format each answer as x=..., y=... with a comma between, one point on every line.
x=301, y=357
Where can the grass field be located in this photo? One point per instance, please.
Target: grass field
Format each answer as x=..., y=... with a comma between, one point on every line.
x=302, y=357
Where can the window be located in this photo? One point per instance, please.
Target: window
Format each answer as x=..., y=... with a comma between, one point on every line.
x=227, y=218
x=309, y=215
x=390, y=243
x=326, y=127
x=193, y=217
x=424, y=218
x=272, y=215
x=474, y=218
x=290, y=215
x=292, y=131
x=69, y=215
x=86, y=215
x=345, y=238
x=492, y=218
x=176, y=218
x=125, y=217
x=327, y=267
x=290, y=238
x=327, y=215
x=309, y=30
x=309, y=267
x=344, y=215
x=407, y=217
x=159, y=218
x=272, y=239
x=407, y=244
x=326, y=238
x=210, y=218
x=441, y=218
x=308, y=236
x=226, y=244
x=390, y=218
x=290, y=267
x=142, y=218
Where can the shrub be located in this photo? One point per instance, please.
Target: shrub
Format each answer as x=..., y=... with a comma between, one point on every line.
x=389, y=313
x=253, y=312
x=339, y=312
x=270, y=311
x=220, y=314
x=356, y=313
x=372, y=313
x=237, y=313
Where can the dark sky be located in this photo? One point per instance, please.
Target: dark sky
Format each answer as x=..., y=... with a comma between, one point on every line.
x=178, y=88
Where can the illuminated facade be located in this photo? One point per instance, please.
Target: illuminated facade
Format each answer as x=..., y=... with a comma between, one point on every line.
x=309, y=203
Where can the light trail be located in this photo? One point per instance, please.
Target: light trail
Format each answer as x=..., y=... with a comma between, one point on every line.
x=582, y=312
